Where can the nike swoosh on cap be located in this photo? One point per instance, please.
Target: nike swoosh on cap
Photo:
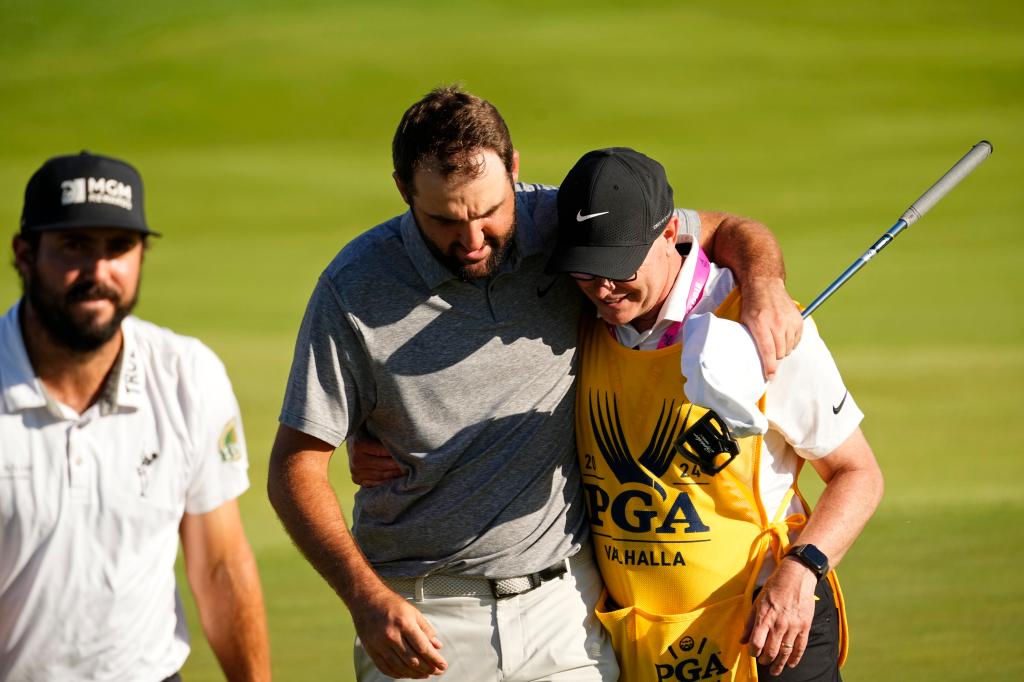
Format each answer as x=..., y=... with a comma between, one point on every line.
x=836, y=408
x=580, y=217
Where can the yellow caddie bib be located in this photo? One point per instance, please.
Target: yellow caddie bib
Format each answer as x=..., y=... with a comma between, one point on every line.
x=679, y=549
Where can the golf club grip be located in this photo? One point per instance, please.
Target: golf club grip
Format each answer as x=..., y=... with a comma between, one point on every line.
x=960, y=170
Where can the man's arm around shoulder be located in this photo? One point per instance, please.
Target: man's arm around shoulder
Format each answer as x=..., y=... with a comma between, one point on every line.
x=749, y=249
x=394, y=633
x=222, y=573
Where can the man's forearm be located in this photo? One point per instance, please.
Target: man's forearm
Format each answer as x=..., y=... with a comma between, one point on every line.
x=853, y=489
x=223, y=576
x=780, y=621
x=232, y=614
x=745, y=246
x=844, y=508
x=303, y=498
x=750, y=250
x=393, y=632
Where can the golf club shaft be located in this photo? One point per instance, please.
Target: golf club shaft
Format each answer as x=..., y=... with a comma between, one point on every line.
x=924, y=203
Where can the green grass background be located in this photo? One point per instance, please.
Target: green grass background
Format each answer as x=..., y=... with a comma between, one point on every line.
x=263, y=130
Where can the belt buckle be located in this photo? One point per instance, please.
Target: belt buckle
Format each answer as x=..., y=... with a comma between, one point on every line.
x=533, y=580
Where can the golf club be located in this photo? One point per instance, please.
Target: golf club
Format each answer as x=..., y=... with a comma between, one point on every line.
x=960, y=170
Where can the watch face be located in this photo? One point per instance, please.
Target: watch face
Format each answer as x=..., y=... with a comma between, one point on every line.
x=816, y=557
x=812, y=557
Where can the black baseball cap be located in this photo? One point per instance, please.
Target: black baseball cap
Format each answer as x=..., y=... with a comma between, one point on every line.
x=612, y=205
x=81, y=191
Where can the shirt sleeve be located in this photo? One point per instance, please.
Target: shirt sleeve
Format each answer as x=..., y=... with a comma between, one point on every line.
x=689, y=226
x=331, y=385
x=807, y=401
x=221, y=460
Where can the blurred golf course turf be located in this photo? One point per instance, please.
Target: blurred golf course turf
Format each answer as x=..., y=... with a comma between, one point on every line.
x=263, y=132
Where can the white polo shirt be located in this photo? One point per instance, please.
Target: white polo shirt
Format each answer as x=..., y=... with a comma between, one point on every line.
x=90, y=506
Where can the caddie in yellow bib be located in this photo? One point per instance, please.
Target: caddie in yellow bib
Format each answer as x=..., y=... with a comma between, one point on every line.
x=688, y=523
x=679, y=549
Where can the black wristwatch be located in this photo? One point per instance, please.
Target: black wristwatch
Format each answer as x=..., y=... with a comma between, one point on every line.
x=811, y=557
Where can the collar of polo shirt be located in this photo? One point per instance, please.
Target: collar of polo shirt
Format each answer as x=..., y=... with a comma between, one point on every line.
x=22, y=390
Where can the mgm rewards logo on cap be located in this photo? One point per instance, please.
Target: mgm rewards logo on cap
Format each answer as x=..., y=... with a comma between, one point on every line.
x=96, y=191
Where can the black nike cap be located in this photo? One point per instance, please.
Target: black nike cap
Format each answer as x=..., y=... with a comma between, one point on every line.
x=612, y=205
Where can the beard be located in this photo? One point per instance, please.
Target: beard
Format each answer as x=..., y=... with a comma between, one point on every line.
x=486, y=268
x=75, y=333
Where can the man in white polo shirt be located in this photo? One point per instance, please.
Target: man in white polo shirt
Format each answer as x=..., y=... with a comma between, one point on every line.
x=117, y=437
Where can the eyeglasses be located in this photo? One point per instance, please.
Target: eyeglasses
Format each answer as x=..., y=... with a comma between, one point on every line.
x=587, y=277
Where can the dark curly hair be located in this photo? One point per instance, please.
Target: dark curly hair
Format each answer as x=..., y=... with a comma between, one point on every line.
x=449, y=127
